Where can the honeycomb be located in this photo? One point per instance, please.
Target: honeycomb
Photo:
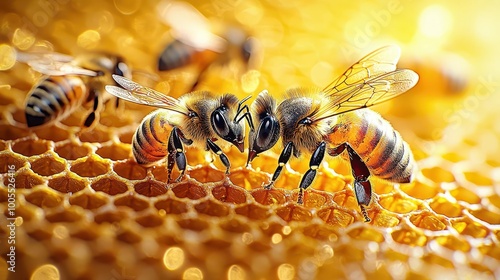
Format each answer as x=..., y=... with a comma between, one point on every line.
x=83, y=208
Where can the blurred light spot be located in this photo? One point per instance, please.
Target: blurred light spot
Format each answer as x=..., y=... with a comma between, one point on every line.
x=236, y=272
x=173, y=258
x=250, y=81
x=162, y=212
x=247, y=238
x=276, y=238
x=60, y=232
x=127, y=7
x=7, y=57
x=23, y=39
x=326, y=252
x=89, y=39
x=7, y=87
x=435, y=21
x=163, y=87
x=192, y=273
x=46, y=272
x=286, y=272
x=249, y=12
x=102, y=21
x=321, y=73
x=286, y=230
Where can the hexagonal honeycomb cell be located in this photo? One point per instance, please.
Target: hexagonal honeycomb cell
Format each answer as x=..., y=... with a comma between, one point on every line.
x=84, y=209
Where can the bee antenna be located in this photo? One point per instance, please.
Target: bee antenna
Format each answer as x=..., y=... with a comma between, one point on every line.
x=245, y=115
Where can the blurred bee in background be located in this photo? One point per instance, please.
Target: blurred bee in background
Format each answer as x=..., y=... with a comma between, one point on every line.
x=198, y=119
x=194, y=43
x=71, y=83
x=330, y=121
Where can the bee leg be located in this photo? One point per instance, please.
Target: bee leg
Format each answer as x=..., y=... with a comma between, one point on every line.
x=308, y=178
x=360, y=172
x=282, y=160
x=217, y=150
x=95, y=108
x=175, y=147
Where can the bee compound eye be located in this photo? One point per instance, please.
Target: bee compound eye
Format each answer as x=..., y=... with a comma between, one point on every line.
x=267, y=129
x=219, y=124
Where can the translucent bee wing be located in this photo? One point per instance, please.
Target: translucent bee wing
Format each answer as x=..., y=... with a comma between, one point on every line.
x=378, y=62
x=372, y=80
x=139, y=94
x=54, y=64
x=189, y=26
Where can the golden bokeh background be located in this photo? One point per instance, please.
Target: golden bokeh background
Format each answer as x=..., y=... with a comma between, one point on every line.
x=86, y=210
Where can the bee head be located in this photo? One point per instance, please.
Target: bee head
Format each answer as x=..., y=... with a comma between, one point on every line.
x=226, y=127
x=268, y=127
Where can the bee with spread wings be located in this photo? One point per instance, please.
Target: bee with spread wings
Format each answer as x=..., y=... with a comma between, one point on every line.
x=195, y=44
x=198, y=118
x=70, y=83
x=331, y=121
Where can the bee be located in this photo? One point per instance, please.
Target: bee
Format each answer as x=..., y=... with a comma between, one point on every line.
x=70, y=83
x=331, y=121
x=195, y=119
x=195, y=44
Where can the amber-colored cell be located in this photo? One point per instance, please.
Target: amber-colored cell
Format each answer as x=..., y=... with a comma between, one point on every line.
x=453, y=243
x=150, y=188
x=128, y=236
x=88, y=201
x=149, y=221
x=384, y=219
x=229, y=194
x=438, y=260
x=30, y=147
x=67, y=184
x=8, y=132
x=272, y=196
x=53, y=133
x=25, y=180
x=420, y=190
x=110, y=217
x=212, y=208
x=66, y=216
x=44, y=199
x=336, y=217
x=443, y=206
x=494, y=200
x=132, y=201
x=206, y=174
x=314, y=199
x=463, y=194
x=428, y=221
x=130, y=170
x=253, y=211
x=369, y=234
x=438, y=174
x=8, y=159
x=40, y=233
x=490, y=217
x=86, y=233
x=160, y=173
x=469, y=227
x=248, y=179
x=478, y=179
x=235, y=225
x=409, y=237
x=90, y=167
x=47, y=165
x=2, y=145
x=398, y=204
x=492, y=250
x=197, y=224
x=190, y=190
x=126, y=138
x=109, y=186
x=72, y=151
x=171, y=206
x=320, y=232
x=292, y=212
x=114, y=152
x=97, y=135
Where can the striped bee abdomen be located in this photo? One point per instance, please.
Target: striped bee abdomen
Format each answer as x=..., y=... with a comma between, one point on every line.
x=55, y=97
x=150, y=140
x=383, y=150
x=175, y=55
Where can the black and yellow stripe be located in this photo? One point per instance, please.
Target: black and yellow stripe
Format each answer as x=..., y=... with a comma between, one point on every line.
x=150, y=140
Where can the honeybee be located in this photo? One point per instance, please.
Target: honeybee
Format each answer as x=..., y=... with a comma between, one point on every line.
x=330, y=121
x=198, y=119
x=195, y=44
x=71, y=83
